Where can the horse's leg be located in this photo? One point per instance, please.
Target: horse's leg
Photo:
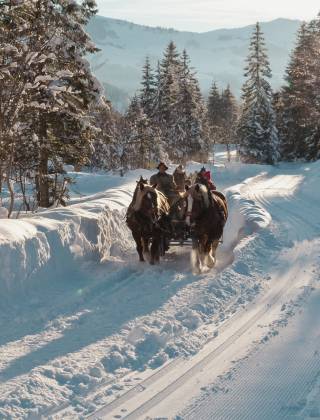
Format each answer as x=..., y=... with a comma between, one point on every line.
x=137, y=238
x=195, y=256
x=212, y=253
x=204, y=249
x=207, y=259
x=145, y=247
x=155, y=250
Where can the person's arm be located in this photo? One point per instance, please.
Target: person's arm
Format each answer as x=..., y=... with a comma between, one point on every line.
x=212, y=185
x=153, y=180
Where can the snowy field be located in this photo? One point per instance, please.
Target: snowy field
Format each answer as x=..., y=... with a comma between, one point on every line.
x=89, y=332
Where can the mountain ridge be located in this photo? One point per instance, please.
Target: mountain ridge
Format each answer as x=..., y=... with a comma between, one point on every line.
x=217, y=55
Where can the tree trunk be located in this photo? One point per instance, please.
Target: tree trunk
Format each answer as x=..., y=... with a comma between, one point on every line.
x=11, y=192
x=23, y=190
x=43, y=181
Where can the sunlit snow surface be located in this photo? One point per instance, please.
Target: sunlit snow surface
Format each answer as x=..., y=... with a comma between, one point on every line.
x=82, y=321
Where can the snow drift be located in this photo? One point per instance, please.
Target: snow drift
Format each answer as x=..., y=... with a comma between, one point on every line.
x=93, y=228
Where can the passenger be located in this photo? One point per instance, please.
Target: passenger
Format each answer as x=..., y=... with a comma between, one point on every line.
x=204, y=177
x=180, y=178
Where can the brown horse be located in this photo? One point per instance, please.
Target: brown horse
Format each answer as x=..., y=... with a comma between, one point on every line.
x=148, y=220
x=207, y=214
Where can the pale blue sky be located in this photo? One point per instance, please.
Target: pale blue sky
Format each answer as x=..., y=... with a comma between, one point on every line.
x=204, y=15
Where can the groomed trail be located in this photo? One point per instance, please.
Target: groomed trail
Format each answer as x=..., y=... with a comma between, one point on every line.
x=91, y=333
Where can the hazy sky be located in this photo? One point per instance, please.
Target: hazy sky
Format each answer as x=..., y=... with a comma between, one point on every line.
x=204, y=15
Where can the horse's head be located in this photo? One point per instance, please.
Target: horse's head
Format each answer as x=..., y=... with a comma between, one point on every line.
x=146, y=198
x=179, y=209
x=198, y=202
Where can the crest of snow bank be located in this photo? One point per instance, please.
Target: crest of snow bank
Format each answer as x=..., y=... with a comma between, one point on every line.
x=44, y=245
x=244, y=212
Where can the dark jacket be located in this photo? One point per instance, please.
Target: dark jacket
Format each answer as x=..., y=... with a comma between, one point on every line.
x=165, y=183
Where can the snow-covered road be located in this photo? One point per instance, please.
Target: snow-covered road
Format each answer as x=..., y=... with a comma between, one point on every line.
x=95, y=334
x=294, y=274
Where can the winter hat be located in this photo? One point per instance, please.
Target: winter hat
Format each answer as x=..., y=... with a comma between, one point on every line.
x=180, y=169
x=162, y=164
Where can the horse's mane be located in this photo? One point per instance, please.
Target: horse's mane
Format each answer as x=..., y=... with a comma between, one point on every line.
x=197, y=190
x=162, y=202
x=139, y=194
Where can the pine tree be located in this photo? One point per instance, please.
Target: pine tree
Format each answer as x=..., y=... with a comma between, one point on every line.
x=141, y=139
x=214, y=106
x=257, y=131
x=148, y=90
x=190, y=114
x=298, y=99
x=167, y=95
x=229, y=118
x=106, y=154
x=48, y=80
x=313, y=140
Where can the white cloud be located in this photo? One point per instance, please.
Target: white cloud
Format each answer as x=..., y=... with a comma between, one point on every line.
x=203, y=15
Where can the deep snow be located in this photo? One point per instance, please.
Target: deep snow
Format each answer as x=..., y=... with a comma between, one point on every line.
x=82, y=322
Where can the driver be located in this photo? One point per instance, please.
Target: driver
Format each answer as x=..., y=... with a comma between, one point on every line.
x=165, y=183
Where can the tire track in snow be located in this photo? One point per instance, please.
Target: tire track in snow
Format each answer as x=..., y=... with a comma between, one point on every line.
x=108, y=411
x=284, y=202
x=274, y=382
x=221, y=406
x=295, y=222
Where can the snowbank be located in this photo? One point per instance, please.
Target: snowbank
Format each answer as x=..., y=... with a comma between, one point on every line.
x=42, y=246
x=245, y=214
x=103, y=321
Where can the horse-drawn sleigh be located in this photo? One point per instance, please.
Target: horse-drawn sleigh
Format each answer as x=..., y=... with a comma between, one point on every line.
x=197, y=217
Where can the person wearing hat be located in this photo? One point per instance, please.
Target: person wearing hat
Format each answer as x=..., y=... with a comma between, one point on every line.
x=204, y=177
x=165, y=183
x=180, y=178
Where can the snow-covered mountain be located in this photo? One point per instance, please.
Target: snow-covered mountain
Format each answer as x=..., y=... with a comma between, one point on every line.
x=216, y=55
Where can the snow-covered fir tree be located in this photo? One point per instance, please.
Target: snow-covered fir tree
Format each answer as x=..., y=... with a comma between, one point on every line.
x=313, y=140
x=257, y=132
x=148, y=89
x=298, y=99
x=46, y=77
x=106, y=151
x=168, y=89
x=191, y=139
x=179, y=109
x=214, y=106
x=222, y=116
x=229, y=114
x=141, y=139
x=214, y=114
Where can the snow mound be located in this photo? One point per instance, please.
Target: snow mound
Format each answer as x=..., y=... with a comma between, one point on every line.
x=42, y=246
x=245, y=214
